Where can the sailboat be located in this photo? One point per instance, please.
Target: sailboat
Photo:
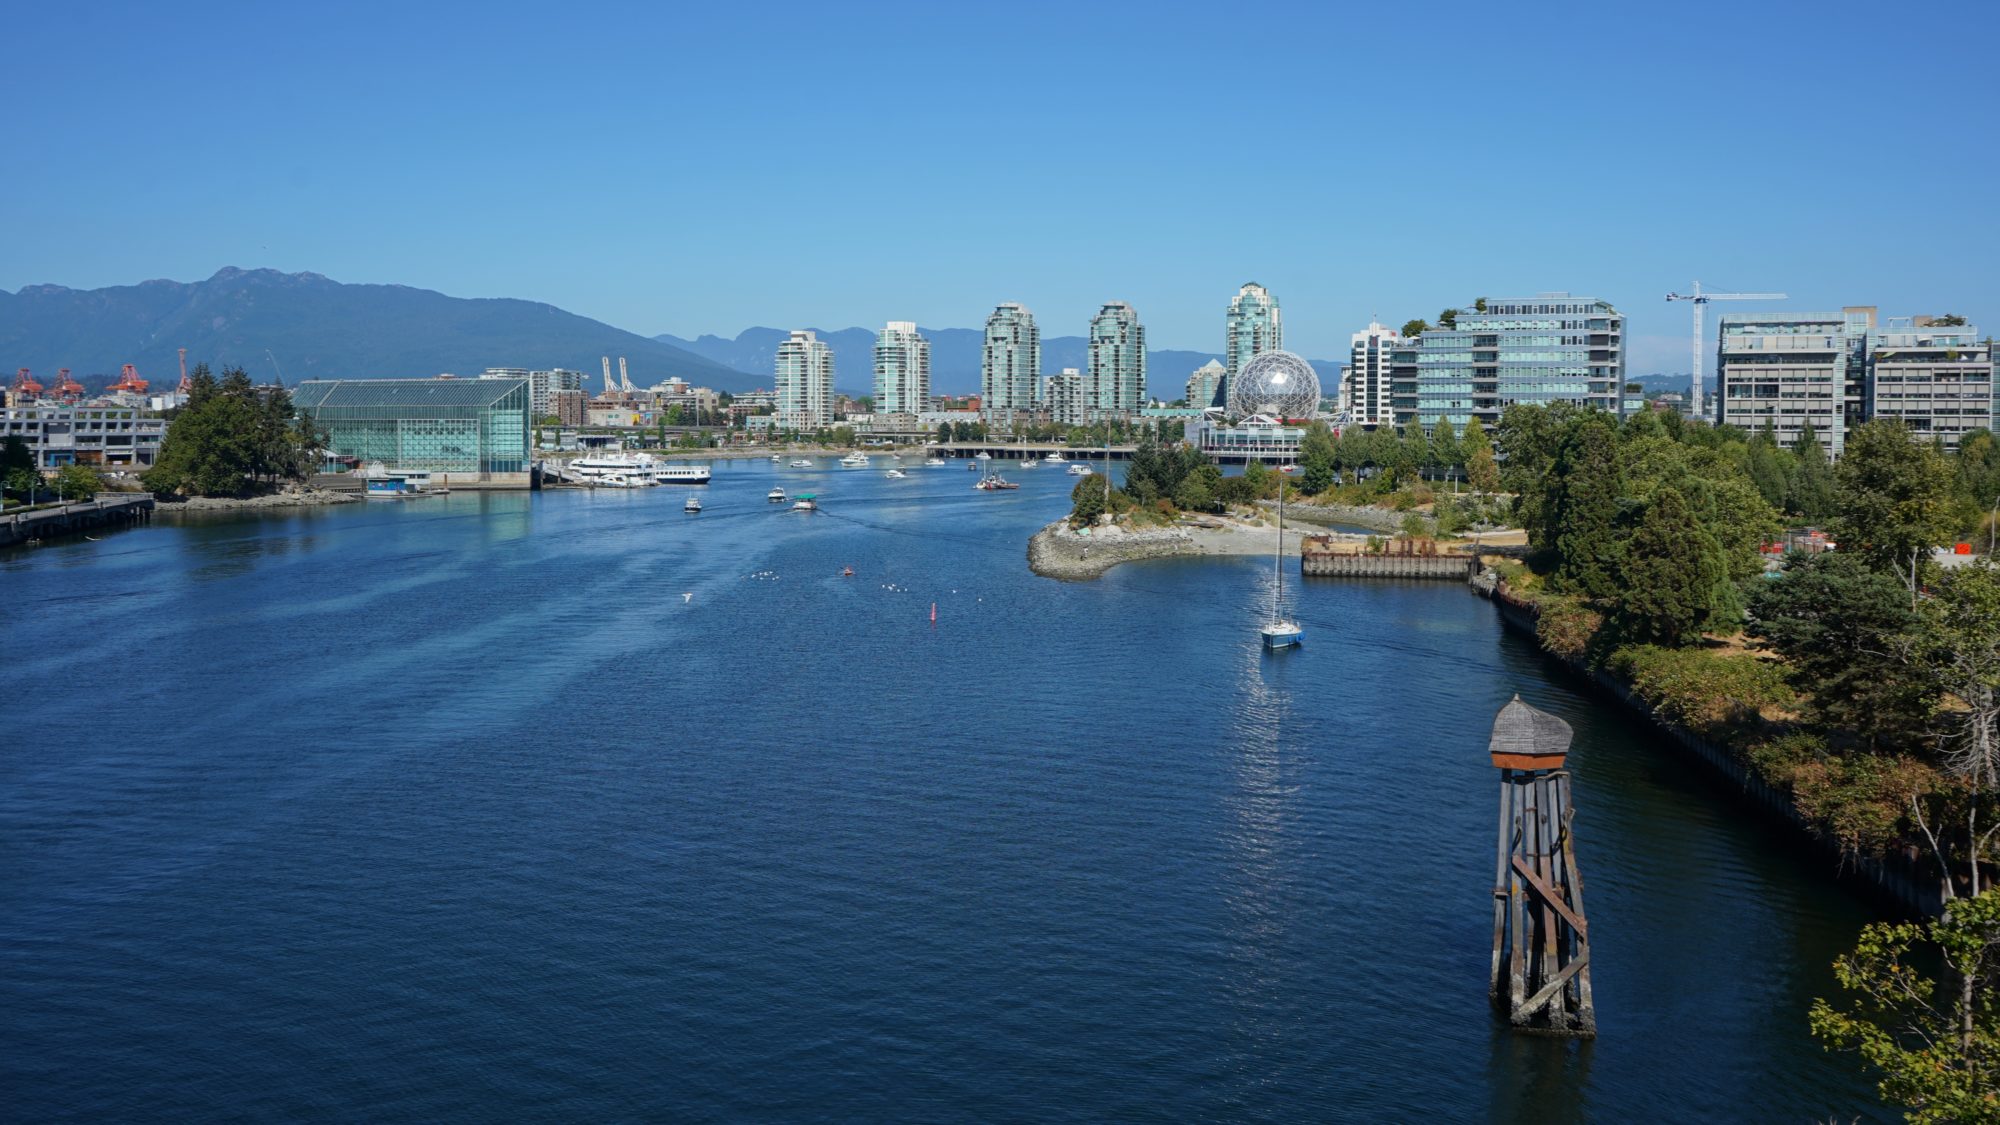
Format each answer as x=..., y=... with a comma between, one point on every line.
x=1281, y=631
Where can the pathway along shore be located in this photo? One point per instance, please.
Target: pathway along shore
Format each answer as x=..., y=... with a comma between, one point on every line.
x=1059, y=551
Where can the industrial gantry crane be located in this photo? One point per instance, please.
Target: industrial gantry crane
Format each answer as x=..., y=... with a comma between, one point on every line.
x=1701, y=301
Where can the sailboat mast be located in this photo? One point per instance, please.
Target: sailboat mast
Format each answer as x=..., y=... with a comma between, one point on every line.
x=1278, y=554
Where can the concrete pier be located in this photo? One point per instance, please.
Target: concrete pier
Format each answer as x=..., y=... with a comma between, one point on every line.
x=118, y=509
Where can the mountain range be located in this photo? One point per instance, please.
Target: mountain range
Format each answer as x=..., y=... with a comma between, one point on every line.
x=294, y=326
x=305, y=326
x=955, y=354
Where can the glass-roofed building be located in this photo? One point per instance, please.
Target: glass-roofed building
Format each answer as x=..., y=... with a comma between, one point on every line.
x=472, y=426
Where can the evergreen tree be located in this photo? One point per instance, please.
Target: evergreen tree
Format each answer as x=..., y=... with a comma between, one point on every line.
x=1766, y=467
x=1583, y=492
x=1843, y=630
x=1812, y=488
x=1671, y=570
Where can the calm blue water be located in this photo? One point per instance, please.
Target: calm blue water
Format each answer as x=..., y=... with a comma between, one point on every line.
x=457, y=809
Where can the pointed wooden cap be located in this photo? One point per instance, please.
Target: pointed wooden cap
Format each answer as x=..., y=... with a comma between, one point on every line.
x=1526, y=738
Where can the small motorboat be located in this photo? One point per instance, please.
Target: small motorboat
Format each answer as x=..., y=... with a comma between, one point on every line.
x=802, y=463
x=934, y=463
x=1080, y=470
x=995, y=483
x=854, y=461
x=775, y=496
x=693, y=505
x=847, y=572
x=777, y=458
x=1055, y=458
x=897, y=474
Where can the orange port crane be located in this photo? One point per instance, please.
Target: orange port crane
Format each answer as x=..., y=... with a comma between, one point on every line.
x=66, y=388
x=25, y=384
x=129, y=381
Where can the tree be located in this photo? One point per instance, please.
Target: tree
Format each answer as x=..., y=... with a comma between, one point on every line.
x=1414, y=328
x=944, y=433
x=1481, y=472
x=1671, y=570
x=1948, y=320
x=1412, y=453
x=1581, y=509
x=1812, y=488
x=1893, y=498
x=1448, y=318
x=1959, y=650
x=1317, y=459
x=1845, y=630
x=1088, y=500
x=78, y=482
x=1446, y=454
x=15, y=454
x=1937, y=1046
x=24, y=482
x=1766, y=465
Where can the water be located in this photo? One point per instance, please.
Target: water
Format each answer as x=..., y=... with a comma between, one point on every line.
x=457, y=809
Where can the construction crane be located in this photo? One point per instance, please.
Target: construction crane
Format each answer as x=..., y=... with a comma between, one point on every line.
x=1701, y=301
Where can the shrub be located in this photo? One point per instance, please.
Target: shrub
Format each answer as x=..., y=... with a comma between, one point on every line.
x=1706, y=690
x=1566, y=627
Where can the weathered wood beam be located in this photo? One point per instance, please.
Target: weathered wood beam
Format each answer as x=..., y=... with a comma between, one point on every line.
x=1548, y=894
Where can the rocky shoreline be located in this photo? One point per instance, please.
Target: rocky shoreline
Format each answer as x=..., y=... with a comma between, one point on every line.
x=305, y=498
x=1059, y=551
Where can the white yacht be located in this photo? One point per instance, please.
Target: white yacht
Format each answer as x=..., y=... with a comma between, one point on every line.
x=1055, y=458
x=1080, y=470
x=802, y=463
x=775, y=496
x=642, y=468
x=934, y=463
x=619, y=480
x=855, y=460
x=897, y=474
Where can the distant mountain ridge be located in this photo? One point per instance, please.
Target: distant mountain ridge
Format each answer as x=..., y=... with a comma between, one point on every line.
x=314, y=328
x=954, y=358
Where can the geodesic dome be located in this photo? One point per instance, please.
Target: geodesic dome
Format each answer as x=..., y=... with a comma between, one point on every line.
x=1276, y=383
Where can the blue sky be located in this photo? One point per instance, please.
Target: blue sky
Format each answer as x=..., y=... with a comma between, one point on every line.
x=689, y=169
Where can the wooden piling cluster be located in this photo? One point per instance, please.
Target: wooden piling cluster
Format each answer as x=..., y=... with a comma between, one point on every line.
x=1541, y=939
x=1325, y=556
